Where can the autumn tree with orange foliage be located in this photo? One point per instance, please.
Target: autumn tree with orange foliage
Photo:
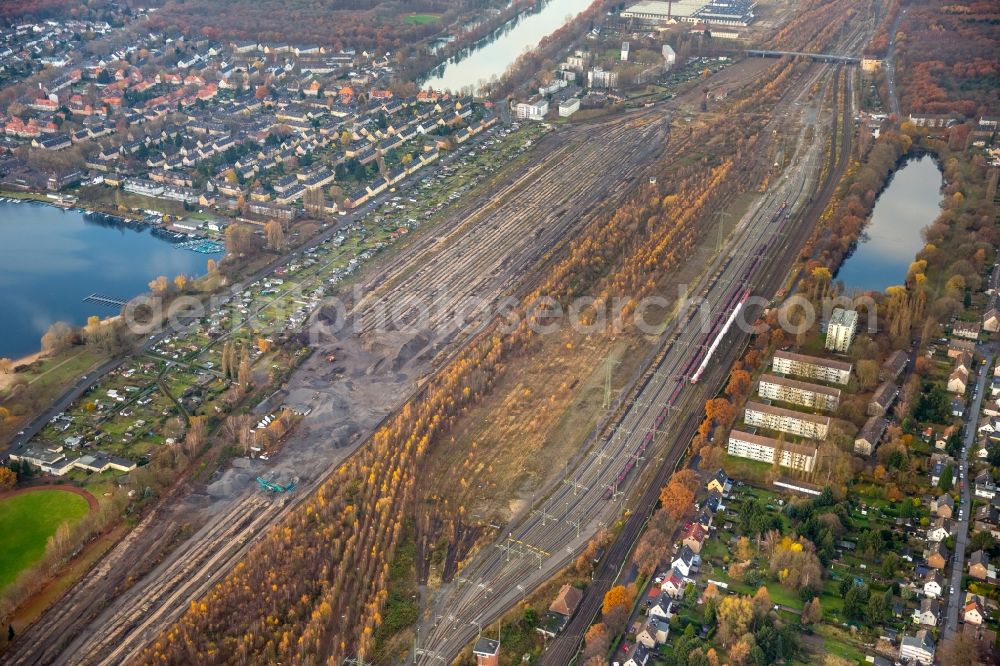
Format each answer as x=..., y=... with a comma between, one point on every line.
x=677, y=497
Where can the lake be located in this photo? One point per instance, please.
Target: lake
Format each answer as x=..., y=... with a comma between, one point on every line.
x=51, y=259
x=891, y=240
x=493, y=55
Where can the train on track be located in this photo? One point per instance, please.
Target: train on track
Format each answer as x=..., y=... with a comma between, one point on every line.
x=781, y=213
x=697, y=362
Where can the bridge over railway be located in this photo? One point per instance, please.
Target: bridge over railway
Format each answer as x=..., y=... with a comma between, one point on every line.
x=819, y=57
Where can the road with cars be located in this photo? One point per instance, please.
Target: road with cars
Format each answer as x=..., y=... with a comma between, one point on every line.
x=956, y=596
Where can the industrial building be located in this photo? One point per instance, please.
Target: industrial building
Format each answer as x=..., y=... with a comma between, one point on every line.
x=792, y=455
x=655, y=11
x=816, y=396
x=54, y=461
x=725, y=12
x=811, y=367
x=709, y=12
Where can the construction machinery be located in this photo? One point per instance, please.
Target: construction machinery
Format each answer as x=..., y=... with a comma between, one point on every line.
x=274, y=486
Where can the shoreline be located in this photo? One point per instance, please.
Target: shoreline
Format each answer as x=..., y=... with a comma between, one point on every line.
x=6, y=378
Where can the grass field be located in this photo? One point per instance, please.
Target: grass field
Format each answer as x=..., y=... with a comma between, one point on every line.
x=422, y=19
x=26, y=523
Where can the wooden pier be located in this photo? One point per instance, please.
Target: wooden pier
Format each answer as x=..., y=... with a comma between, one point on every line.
x=105, y=300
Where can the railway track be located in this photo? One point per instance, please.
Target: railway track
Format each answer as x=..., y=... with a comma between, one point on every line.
x=531, y=220
x=499, y=237
x=546, y=541
x=564, y=648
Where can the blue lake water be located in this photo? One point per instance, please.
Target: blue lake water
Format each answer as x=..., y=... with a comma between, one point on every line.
x=51, y=259
x=492, y=56
x=892, y=237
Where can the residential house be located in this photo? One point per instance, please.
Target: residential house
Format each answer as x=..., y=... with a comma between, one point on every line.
x=973, y=613
x=979, y=565
x=933, y=584
x=560, y=610
x=937, y=470
x=937, y=555
x=720, y=483
x=984, y=485
x=894, y=365
x=713, y=503
x=991, y=318
x=870, y=435
x=687, y=561
x=940, y=529
x=928, y=612
x=943, y=506
x=662, y=607
x=918, y=648
x=966, y=329
x=695, y=537
x=958, y=407
x=883, y=398
x=637, y=655
x=958, y=380
x=673, y=585
x=654, y=632
x=959, y=348
x=987, y=519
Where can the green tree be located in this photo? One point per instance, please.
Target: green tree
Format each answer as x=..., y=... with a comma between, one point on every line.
x=945, y=482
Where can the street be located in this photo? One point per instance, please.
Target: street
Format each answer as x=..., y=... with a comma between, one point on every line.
x=957, y=597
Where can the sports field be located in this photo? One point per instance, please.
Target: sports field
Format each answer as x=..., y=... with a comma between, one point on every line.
x=422, y=19
x=27, y=520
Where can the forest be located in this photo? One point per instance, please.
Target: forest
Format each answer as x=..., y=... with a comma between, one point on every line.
x=947, y=60
x=377, y=25
x=17, y=10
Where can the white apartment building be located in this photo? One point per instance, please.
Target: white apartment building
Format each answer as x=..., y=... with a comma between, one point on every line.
x=569, y=107
x=840, y=330
x=533, y=109
x=786, y=420
x=601, y=78
x=669, y=56
x=792, y=455
x=811, y=367
x=775, y=387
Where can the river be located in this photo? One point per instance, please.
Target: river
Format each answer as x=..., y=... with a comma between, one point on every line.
x=493, y=55
x=909, y=203
x=51, y=259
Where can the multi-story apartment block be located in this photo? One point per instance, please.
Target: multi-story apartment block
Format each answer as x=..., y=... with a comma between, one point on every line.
x=840, y=330
x=811, y=367
x=792, y=455
x=786, y=420
x=817, y=396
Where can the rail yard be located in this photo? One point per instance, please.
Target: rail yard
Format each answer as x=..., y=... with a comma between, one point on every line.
x=654, y=424
x=484, y=254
